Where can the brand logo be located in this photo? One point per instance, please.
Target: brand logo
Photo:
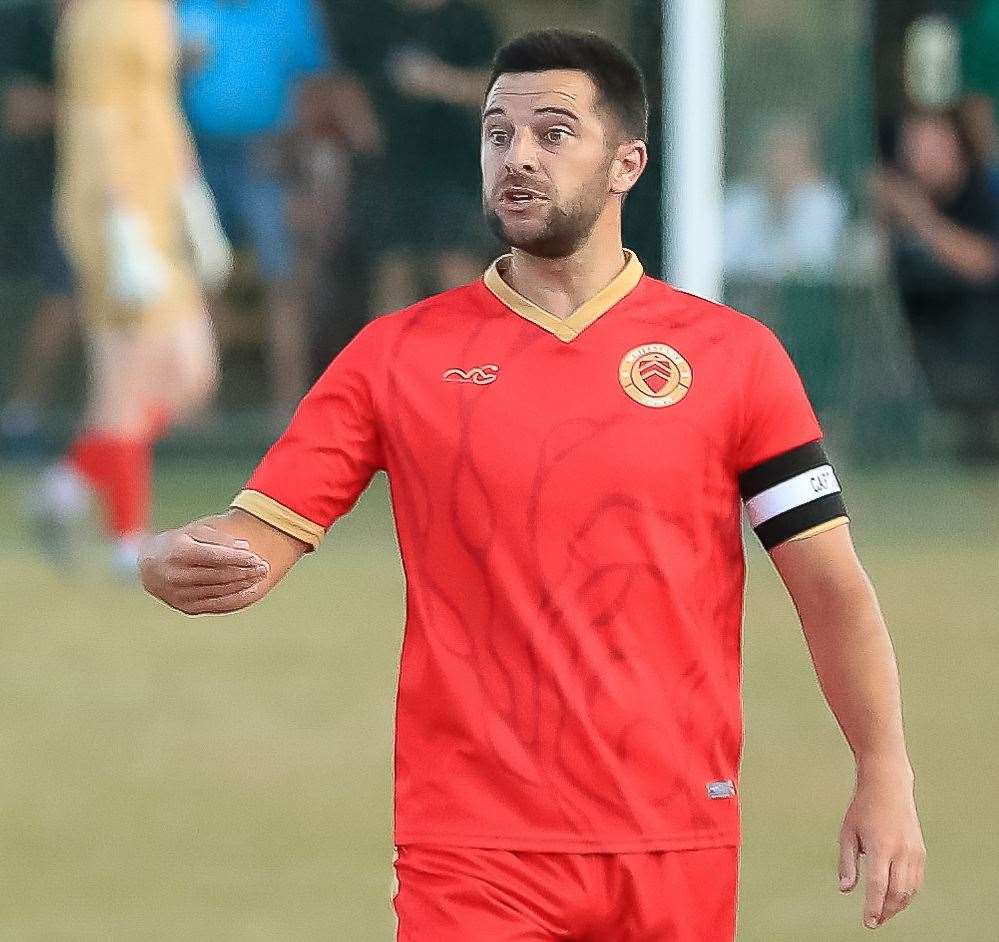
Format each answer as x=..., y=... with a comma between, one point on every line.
x=655, y=375
x=479, y=375
x=725, y=789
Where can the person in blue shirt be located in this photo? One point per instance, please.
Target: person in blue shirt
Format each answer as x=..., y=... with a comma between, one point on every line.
x=246, y=65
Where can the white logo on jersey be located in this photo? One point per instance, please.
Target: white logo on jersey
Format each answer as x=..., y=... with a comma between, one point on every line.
x=723, y=789
x=479, y=375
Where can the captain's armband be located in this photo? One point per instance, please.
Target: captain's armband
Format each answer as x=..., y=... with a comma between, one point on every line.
x=793, y=495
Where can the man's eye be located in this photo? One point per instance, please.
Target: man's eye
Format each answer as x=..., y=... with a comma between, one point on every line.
x=556, y=135
x=497, y=136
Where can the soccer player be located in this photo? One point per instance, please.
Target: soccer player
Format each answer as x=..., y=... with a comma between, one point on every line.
x=567, y=442
x=140, y=233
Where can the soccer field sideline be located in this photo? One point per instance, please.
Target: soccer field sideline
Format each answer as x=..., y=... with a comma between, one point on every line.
x=176, y=779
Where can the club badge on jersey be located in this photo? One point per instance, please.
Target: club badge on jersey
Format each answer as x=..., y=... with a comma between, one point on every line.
x=655, y=375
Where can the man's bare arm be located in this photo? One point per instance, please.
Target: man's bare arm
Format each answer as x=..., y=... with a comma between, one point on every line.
x=218, y=564
x=980, y=121
x=849, y=643
x=855, y=664
x=969, y=254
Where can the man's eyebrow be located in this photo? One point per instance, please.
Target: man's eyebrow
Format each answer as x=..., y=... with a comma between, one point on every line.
x=551, y=109
x=554, y=110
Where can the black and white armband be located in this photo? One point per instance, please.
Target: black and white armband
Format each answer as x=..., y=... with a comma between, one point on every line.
x=792, y=495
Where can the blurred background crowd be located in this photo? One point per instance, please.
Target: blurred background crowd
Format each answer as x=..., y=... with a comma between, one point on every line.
x=339, y=140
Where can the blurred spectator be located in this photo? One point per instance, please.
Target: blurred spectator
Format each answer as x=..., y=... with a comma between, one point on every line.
x=980, y=74
x=943, y=219
x=27, y=114
x=788, y=219
x=246, y=63
x=136, y=221
x=424, y=63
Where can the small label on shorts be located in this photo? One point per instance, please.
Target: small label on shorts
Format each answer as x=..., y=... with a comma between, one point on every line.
x=724, y=789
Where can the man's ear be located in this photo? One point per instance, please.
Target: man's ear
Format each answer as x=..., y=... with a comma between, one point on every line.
x=630, y=161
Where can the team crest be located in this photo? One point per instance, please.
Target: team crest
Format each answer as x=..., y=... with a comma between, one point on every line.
x=655, y=375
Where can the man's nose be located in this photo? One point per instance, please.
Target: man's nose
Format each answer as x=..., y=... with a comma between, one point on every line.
x=523, y=153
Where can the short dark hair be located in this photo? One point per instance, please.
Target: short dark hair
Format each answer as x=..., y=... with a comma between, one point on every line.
x=617, y=77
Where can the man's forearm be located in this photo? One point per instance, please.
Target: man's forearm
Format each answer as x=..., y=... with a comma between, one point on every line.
x=981, y=124
x=461, y=86
x=855, y=663
x=971, y=255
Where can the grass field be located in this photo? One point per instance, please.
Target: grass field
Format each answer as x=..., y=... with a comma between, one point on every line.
x=171, y=779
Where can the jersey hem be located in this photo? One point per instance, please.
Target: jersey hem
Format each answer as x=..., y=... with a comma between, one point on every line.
x=560, y=845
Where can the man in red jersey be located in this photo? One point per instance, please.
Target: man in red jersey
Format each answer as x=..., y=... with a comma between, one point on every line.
x=568, y=443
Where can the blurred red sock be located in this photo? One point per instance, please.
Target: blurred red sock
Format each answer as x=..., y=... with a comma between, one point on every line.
x=119, y=470
x=129, y=510
x=159, y=419
x=90, y=457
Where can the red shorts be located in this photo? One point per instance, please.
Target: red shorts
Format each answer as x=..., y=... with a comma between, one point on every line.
x=454, y=894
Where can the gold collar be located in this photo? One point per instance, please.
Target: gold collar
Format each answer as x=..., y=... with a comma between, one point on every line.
x=571, y=327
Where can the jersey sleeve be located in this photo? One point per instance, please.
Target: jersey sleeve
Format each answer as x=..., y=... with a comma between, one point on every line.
x=785, y=477
x=314, y=473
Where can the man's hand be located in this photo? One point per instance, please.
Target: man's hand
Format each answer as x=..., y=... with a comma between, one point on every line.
x=881, y=824
x=899, y=200
x=417, y=73
x=200, y=570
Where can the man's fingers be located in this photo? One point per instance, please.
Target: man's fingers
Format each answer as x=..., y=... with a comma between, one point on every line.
x=214, y=555
x=900, y=887
x=224, y=604
x=194, y=595
x=206, y=533
x=878, y=864
x=920, y=869
x=189, y=576
x=848, y=849
x=186, y=568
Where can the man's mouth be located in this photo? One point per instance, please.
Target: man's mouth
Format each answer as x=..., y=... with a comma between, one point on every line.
x=520, y=196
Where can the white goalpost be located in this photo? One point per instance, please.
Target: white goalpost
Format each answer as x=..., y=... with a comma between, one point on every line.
x=693, y=122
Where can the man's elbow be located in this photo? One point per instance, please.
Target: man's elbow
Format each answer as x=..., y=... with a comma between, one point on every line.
x=839, y=588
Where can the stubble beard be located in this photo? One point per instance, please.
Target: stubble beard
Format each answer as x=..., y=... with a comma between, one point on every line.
x=563, y=229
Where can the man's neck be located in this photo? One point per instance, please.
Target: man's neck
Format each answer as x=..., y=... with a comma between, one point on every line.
x=560, y=285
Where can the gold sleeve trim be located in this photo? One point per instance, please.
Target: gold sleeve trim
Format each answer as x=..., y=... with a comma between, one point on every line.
x=280, y=517
x=815, y=531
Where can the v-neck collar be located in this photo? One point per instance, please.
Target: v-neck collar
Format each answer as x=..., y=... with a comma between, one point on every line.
x=569, y=328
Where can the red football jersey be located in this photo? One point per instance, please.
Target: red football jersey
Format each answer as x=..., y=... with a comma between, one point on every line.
x=567, y=498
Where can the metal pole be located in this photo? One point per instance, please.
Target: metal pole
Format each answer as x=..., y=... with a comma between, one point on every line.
x=693, y=96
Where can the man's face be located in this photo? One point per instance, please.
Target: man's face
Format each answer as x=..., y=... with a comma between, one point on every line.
x=547, y=154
